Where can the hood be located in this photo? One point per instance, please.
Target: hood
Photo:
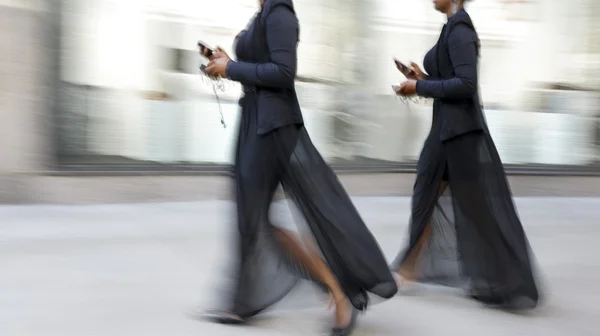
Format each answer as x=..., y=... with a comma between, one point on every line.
x=460, y=17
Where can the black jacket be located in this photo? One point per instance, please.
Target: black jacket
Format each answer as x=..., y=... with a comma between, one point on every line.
x=272, y=38
x=455, y=86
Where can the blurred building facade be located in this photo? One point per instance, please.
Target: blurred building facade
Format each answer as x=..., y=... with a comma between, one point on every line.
x=114, y=84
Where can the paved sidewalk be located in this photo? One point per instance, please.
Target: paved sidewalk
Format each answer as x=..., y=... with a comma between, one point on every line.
x=129, y=270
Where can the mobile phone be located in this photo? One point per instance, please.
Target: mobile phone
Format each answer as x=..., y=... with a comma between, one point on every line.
x=401, y=66
x=205, y=50
x=203, y=68
x=406, y=71
x=396, y=88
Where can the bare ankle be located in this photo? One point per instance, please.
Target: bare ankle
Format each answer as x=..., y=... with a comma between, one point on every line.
x=406, y=273
x=343, y=312
x=338, y=297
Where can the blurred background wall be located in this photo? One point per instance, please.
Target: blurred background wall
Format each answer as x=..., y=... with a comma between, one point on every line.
x=28, y=41
x=112, y=86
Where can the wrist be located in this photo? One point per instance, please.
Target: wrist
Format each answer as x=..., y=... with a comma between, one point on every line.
x=227, y=67
x=417, y=86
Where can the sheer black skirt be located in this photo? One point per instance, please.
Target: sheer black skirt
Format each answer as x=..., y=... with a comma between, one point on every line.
x=477, y=239
x=263, y=273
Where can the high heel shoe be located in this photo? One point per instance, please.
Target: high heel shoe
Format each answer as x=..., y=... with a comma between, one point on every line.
x=347, y=330
x=222, y=317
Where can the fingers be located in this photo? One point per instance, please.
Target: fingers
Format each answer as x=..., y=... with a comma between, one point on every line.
x=412, y=71
x=398, y=64
x=217, y=53
x=215, y=69
x=400, y=90
x=204, y=51
x=401, y=67
x=210, y=69
x=220, y=55
x=416, y=70
x=220, y=52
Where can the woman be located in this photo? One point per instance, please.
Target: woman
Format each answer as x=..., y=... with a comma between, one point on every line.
x=464, y=225
x=273, y=147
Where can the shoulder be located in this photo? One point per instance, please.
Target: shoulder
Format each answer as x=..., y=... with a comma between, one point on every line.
x=282, y=11
x=281, y=18
x=461, y=32
x=278, y=7
x=279, y=15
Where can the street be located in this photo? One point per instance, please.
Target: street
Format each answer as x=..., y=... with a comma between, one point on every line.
x=145, y=269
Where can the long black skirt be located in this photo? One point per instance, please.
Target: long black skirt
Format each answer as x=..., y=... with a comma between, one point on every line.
x=477, y=240
x=263, y=273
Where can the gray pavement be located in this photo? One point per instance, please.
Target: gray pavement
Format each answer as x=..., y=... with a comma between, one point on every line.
x=142, y=269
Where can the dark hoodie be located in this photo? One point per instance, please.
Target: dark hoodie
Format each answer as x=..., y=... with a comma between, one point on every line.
x=455, y=87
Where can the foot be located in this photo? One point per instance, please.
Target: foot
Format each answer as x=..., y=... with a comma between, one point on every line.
x=223, y=317
x=343, y=313
x=509, y=303
x=345, y=319
x=404, y=282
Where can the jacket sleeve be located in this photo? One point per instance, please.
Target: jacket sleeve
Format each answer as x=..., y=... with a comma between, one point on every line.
x=282, y=40
x=462, y=47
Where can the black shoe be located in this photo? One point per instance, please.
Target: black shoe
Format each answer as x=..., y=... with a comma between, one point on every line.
x=518, y=304
x=511, y=303
x=222, y=317
x=490, y=301
x=347, y=330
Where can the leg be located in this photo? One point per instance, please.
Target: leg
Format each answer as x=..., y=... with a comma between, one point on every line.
x=407, y=269
x=254, y=191
x=306, y=254
x=257, y=176
x=344, y=241
x=259, y=168
x=429, y=186
x=493, y=249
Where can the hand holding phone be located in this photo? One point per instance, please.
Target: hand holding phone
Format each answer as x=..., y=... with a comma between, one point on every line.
x=412, y=72
x=205, y=50
x=405, y=70
x=203, y=70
